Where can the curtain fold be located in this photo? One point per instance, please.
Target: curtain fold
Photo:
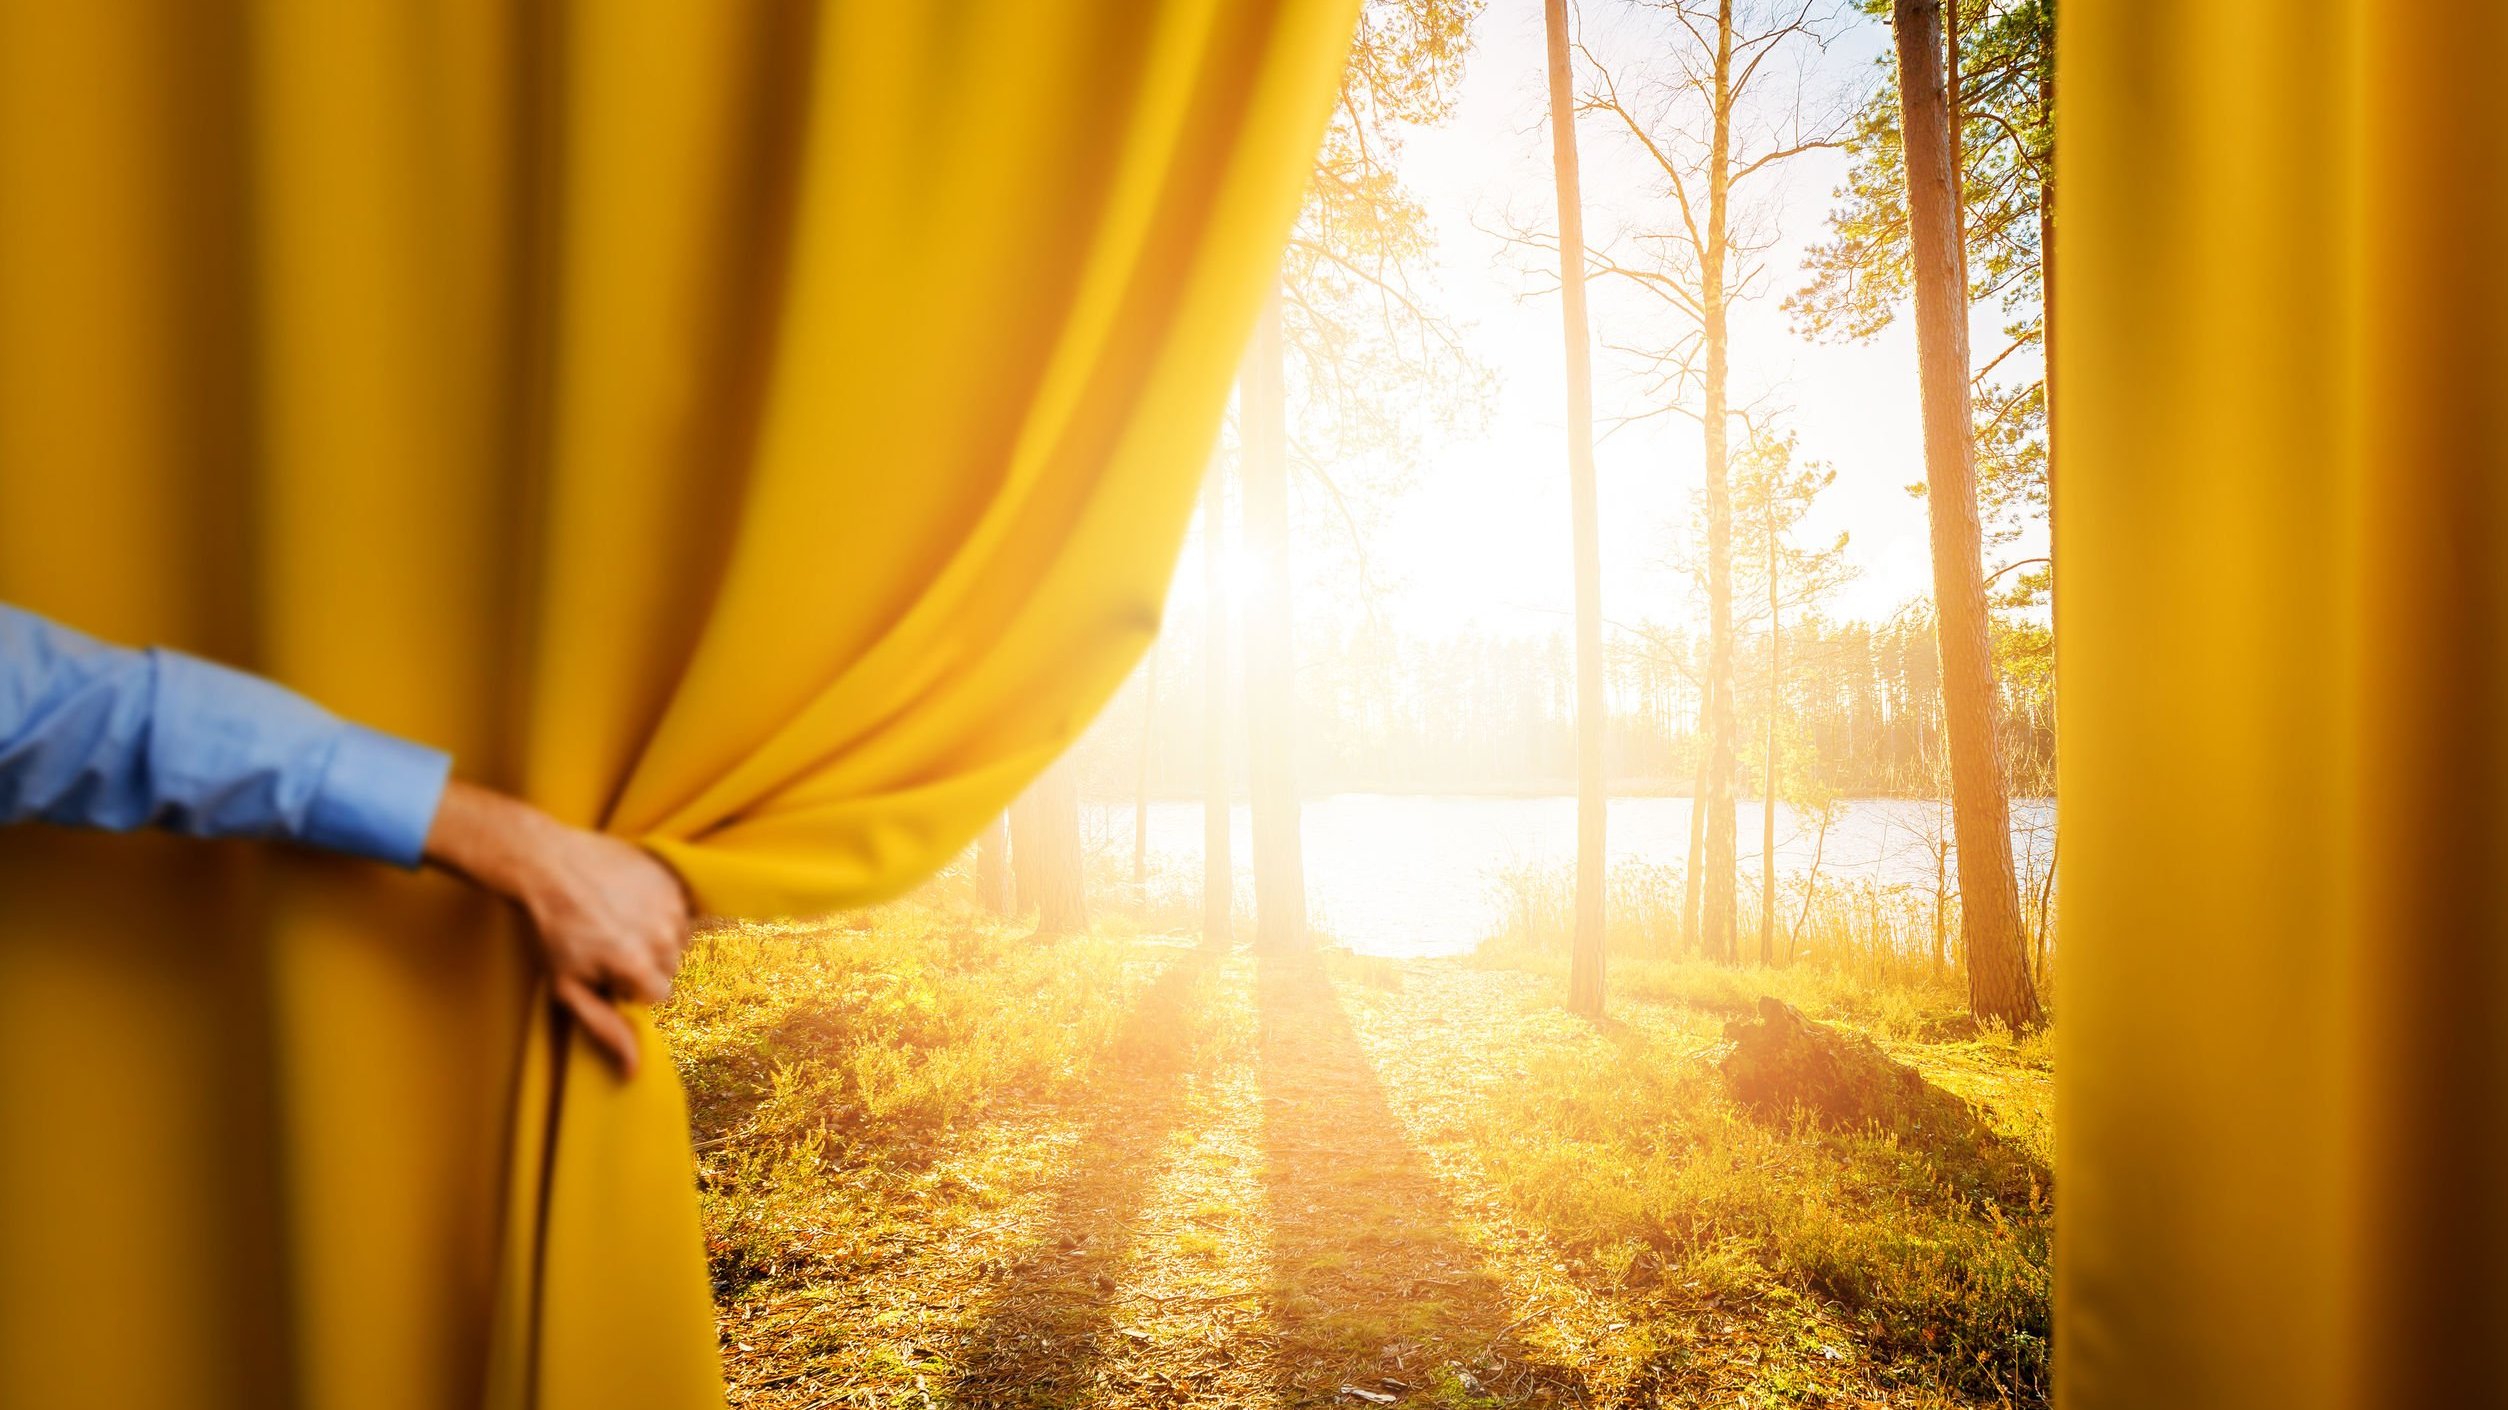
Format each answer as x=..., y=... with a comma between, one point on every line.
x=2283, y=1099
x=762, y=429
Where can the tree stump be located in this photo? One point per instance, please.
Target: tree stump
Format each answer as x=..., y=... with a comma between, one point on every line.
x=1782, y=1062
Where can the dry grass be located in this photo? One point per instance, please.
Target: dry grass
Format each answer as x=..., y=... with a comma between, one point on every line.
x=950, y=1165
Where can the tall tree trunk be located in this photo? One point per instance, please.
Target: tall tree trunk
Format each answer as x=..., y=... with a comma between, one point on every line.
x=2046, y=328
x=1270, y=695
x=992, y=867
x=1998, y=973
x=2046, y=349
x=1140, y=791
x=2054, y=568
x=1720, y=862
x=1046, y=854
x=1219, y=887
x=1954, y=117
x=1585, y=956
x=1768, y=788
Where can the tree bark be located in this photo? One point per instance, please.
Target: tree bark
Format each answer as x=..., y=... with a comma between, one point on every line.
x=1270, y=696
x=2054, y=586
x=1718, y=904
x=2054, y=571
x=992, y=867
x=1998, y=975
x=2046, y=331
x=1218, y=863
x=1585, y=954
x=1954, y=119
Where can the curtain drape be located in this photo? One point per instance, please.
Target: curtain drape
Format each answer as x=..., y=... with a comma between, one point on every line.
x=2282, y=459
x=764, y=429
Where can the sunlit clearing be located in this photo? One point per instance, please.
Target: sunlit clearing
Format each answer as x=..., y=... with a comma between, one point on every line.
x=1400, y=995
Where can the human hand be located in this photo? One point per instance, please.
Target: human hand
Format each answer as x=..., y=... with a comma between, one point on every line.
x=611, y=920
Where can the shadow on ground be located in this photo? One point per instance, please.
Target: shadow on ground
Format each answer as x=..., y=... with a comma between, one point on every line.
x=1372, y=1286
x=1044, y=1335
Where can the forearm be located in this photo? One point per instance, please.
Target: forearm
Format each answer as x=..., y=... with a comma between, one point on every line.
x=97, y=735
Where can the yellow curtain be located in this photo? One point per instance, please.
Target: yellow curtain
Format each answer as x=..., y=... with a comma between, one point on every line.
x=2282, y=461
x=760, y=428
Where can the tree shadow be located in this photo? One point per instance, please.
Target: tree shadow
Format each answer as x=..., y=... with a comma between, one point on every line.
x=1043, y=1336
x=1371, y=1281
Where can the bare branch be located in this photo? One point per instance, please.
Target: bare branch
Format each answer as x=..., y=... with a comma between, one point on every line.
x=1781, y=154
x=2020, y=147
x=1611, y=103
x=2017, y=344
x=2023, y=563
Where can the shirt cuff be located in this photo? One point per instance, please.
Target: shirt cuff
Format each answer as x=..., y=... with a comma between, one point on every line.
x=378, y=797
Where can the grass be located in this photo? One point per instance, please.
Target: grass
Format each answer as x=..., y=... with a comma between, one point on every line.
x=944, y=1163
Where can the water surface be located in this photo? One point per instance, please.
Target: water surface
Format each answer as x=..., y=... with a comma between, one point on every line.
x=1402, y=874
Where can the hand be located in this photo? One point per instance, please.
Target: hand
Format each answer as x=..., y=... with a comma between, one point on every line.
x=610, y=918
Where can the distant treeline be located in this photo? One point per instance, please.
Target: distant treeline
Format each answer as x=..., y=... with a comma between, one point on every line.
x=1380, y=711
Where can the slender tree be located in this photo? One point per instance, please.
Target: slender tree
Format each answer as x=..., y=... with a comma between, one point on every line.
x=992, y=867
x=1027, y=881
x=1999, y=77
x=1717, y=908
x=1998, y=966
x=1775, y=493
x=1141, y=783
x=1347, y=330
x=1045, y=852
x=1770, y=762
x=1585, y=963
x=1714, y=127
x=1270, y=663
x=1218, y=875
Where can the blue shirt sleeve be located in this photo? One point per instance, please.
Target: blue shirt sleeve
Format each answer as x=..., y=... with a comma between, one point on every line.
x=100, y=736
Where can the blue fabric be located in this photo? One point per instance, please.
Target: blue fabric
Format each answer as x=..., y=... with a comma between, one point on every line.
x=100, y=736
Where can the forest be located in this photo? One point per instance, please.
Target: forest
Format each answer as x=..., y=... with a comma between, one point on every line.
x=1640, y=485
x=1378, y=712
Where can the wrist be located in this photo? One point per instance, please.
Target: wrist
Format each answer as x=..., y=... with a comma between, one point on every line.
x=492, y=839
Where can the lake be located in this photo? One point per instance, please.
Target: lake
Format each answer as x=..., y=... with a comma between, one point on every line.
x=1410, y=875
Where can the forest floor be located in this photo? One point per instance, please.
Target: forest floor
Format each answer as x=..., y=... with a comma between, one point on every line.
x=945, y=1164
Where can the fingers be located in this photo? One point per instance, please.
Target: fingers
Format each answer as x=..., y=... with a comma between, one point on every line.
x=608, y=1029
x=634, y=976
x=612, y=920
x=665, y=962
x=665, y=909
x=666, y=948
x=640, y=964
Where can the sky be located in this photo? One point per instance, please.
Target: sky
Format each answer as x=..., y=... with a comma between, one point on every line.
x=1479, y=539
